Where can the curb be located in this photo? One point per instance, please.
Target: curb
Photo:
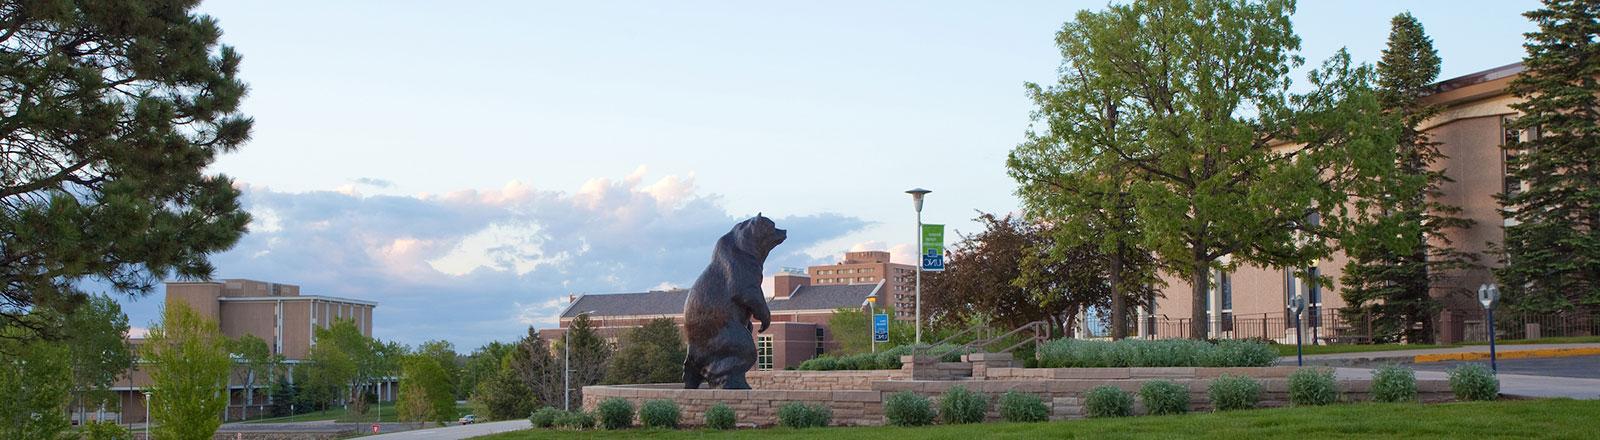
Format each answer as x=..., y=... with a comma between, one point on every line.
x=1520, y=354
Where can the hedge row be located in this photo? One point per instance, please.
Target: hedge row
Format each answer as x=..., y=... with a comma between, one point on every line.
x=1075, y=353
x=883, y=360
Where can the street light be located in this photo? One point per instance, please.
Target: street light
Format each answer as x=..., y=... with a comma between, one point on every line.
x=147, y=417
x=871, y=320
x=916, y=200
x=566, y=371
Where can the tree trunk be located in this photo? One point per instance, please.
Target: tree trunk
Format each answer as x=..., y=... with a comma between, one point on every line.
x=1119, y=305
x=1198, y=325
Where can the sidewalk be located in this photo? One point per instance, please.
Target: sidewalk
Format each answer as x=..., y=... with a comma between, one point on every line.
x=456, y=432
x=1469, y=352
x=1515, y=385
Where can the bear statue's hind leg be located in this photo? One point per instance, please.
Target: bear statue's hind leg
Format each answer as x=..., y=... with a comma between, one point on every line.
x=728, y=373
x=694, y=367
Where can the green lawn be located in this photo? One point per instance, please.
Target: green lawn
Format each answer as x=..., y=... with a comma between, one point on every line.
x=1288, y=349
x=1555, y=418
x=1556, y=340
x=379, y=412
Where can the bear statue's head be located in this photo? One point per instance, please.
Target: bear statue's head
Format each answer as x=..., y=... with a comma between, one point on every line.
x=758, y=236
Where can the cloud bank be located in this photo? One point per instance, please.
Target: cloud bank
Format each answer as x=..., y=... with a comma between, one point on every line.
x=479, y=265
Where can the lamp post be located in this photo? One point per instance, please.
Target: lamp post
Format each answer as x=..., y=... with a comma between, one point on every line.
x=1489, y=295
x=1296, y=305
x=872, y=313
x=566, y=370
x=147, y=418
x=916, y=201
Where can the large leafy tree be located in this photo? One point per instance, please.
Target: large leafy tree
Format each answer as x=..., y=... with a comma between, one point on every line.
x=36, y=384
x=109, y=114
x=533, y=363
x=1397, y=243
x=502, y=395
x=482, y=363
x=98, y=351
x=426, y=393
x=259, y=364
x=350, y=363
x=851, y=327
x=652, y=353
x=1227, y=166
x=189, y=366
x=1552, y=247
x=445, y=353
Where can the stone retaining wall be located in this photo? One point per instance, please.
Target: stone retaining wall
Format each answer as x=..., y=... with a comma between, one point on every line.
x=1062, y=389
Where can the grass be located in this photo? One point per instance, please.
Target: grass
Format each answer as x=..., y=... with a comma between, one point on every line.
x=1288, y=349
x=378, y=412
x=1552, y=418
x=1551, y=340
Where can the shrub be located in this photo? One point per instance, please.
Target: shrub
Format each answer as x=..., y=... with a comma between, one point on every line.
x=1394, y=384
x=959, y=405
x=884, y=360
x=1163, y=397
x=1107, y=401
x=615, y=413
x=1474, y=382
x=720, y=416
x=659, y=414
x=800, y=415
x=575, y=420
x=1231, y=392
x=1074, y=353
x=105, y=431
x=1023, y=407
x=906, y=408
x=1312, y=386
x=546, y=417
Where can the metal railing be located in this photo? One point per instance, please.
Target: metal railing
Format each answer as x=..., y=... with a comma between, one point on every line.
x=1040, y=329
x=1321, y=324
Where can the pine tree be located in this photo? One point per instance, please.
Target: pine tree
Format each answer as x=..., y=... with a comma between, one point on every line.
x=1552, y=247
x=110, y=113
x=1398, y=249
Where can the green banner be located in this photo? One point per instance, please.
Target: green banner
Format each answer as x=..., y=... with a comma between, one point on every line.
x=932, y=251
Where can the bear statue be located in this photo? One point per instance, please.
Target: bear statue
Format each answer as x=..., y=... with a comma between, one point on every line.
x=716, y=316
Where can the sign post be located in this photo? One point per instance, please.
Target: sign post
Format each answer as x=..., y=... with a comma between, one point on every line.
x=880, y=329
x=1296, y=305
x=1489, y=295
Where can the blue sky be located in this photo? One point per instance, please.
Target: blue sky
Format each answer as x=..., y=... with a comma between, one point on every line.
x=468, y=164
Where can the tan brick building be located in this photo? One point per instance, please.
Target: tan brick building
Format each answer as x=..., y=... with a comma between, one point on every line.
x=800, y=312
x=276, y=313
x=871, y=267
x=1471, y=129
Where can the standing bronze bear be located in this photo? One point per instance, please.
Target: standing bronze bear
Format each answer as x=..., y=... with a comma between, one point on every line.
x=727, y=295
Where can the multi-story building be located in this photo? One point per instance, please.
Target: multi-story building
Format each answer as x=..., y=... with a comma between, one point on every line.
x=871, y=267
x=276, y=313
x=1471, y=129
x=799, y=328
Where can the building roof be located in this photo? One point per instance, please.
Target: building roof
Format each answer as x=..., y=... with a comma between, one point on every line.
x=670, y=302
x=654, y=303
x=829, y=297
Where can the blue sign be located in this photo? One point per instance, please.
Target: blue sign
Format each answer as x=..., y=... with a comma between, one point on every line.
x=880, y=327
x=932, y=261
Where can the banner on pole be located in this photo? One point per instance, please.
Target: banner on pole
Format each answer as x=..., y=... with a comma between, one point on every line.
x=880, y=327
x=932, y=248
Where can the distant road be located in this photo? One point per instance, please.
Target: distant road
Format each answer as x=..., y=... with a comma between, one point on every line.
x=456, y=432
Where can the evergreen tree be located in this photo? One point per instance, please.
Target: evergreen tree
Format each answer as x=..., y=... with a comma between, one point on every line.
x=1396, y=240
x=109, y=114
x=652, y=353
x=533, y=363
x=285, y=397
x=1552, y=247
x=590, y=357
x=501, y=395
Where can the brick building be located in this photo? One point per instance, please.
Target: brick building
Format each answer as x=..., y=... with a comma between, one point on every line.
x=276, y=313
x=800, y=312
x=1471, y=129
x=868, y=267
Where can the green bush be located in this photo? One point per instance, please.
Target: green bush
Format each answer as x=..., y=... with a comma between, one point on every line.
x=960, y=405
x=1107, y=401
x=906, y=408
x=1231, y=392
x=1075, y=353
x=575, y=420
x=1474, y=382
x=546, y=417
x=720, y=416
x=1023, y=407
x=1312, y=386
x=1394, y=383
x=105, y=431
x=1163, y=397
x=615, y=413
x=800, y=415
x=659, y=414
x=884, y=360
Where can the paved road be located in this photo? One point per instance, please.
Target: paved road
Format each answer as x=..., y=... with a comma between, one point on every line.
x=1521, y=385
x=1587, y=367
x=455, y=432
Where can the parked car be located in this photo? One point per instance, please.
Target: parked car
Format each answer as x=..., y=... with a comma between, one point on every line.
x=467, y=419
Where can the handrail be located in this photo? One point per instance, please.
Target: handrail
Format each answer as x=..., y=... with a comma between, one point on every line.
x=1039, y=329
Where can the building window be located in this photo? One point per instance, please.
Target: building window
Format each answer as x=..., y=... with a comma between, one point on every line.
x=764, y=352
x=1510, y=149
x=1313, y=297
x=820, y=348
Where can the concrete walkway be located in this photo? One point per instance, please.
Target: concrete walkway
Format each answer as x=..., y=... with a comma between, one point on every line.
x=1406, y=356
x=456, y=432
x=1517, y=385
